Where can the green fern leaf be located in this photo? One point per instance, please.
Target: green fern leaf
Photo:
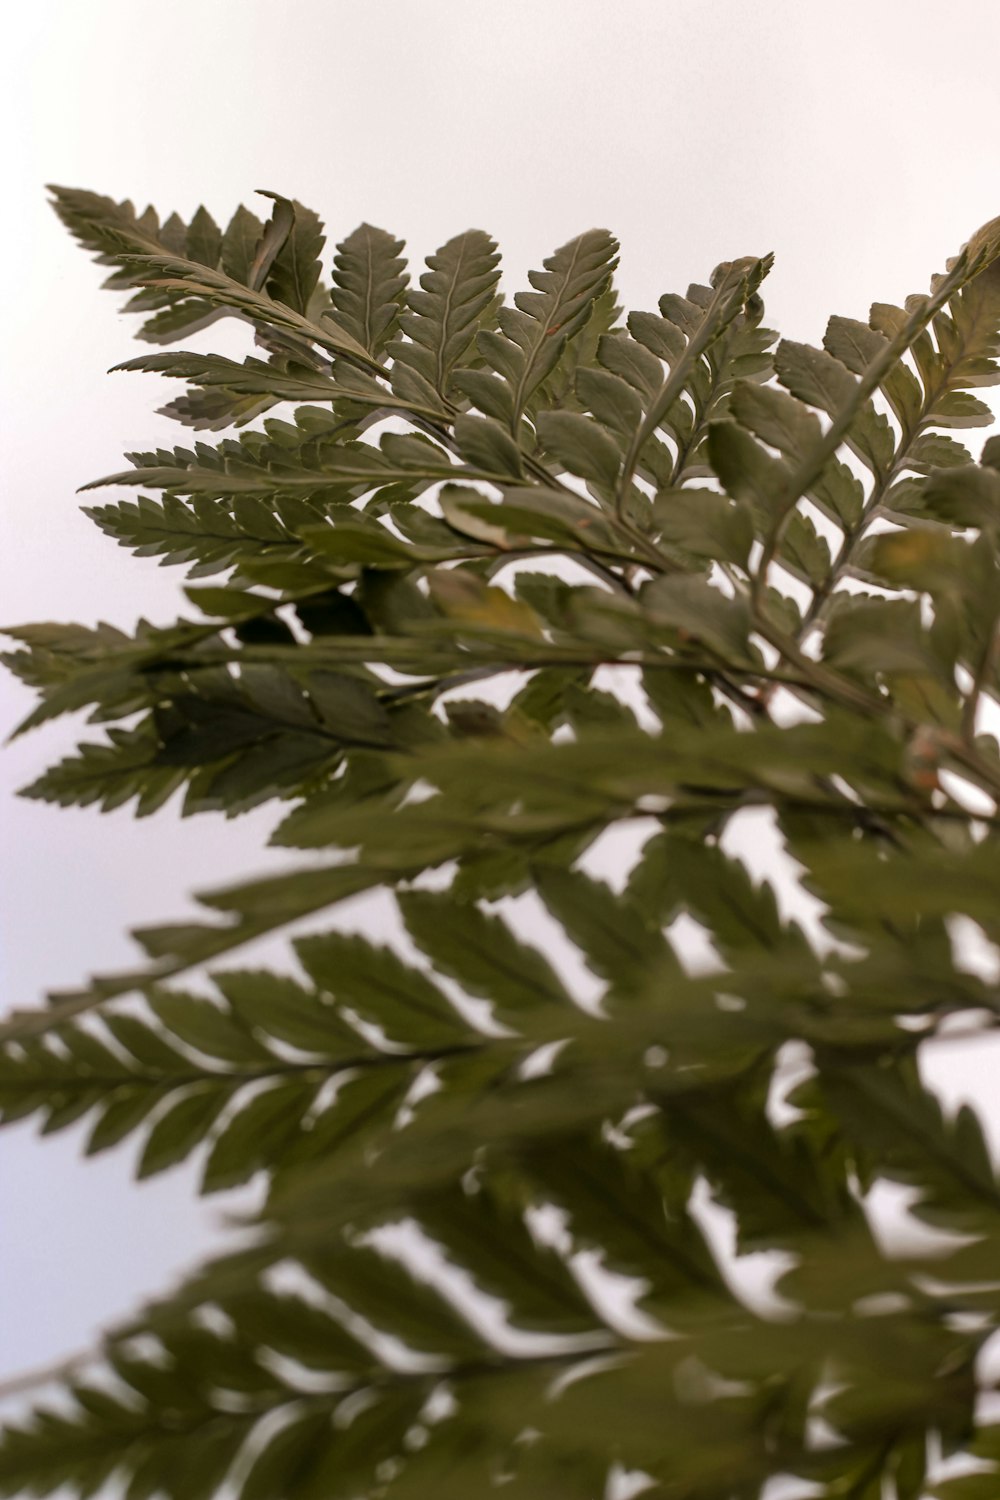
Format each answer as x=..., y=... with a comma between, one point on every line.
x=455, y=299
x=294, y=273
x=481, y=657
x=369, y=286
x=536, y=330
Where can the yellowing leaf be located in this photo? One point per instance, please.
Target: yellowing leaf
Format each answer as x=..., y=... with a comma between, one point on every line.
x=464, y=598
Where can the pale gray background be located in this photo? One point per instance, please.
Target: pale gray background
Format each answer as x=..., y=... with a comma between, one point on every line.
x=856, y=140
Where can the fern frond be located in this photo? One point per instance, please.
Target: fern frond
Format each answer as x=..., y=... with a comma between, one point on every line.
x=369, y=285
x=456, y=298
x=535, y=332
x=547, y=1079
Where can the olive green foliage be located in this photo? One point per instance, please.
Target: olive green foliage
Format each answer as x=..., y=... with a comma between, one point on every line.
x=488, y=580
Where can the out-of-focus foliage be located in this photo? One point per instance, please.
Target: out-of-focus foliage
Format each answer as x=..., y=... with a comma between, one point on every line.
x=492, y=579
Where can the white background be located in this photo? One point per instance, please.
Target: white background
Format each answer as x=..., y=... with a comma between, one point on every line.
x=856, y=140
